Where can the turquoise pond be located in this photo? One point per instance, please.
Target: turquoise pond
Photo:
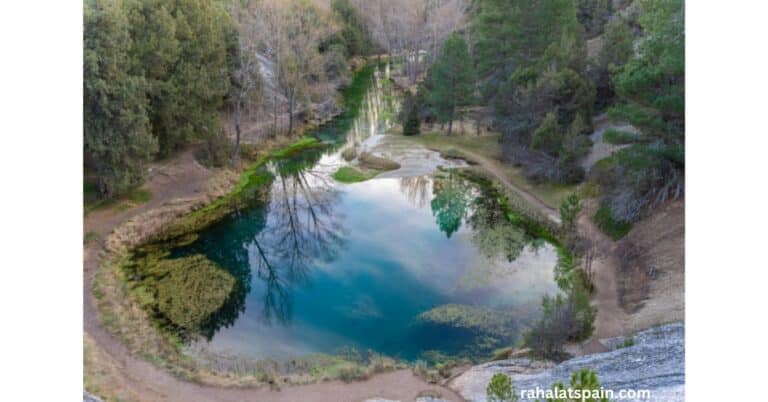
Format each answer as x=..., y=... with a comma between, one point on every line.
x=397, y=265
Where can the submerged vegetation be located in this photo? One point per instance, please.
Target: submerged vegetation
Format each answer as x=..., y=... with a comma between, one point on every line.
x=482, y=320
x=183, y=292
x=368, y=166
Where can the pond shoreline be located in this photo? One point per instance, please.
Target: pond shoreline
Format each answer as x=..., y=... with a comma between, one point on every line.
x=171, y=209
x=139, y=229
x=147, y=222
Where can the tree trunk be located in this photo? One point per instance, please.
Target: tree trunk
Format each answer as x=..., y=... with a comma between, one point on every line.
x=274, y=116
x=290, y=116
x=236, y=151
x=450, y=122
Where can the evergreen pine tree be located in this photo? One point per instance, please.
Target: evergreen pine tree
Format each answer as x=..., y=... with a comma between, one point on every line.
x=117, y=136
x=412, y=123
x=452, y=81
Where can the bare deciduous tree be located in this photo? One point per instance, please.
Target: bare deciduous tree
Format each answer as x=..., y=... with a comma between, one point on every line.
x=247, y=90
x=290, y=32
x=412, y=29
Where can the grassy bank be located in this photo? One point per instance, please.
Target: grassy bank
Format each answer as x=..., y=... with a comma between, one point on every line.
x=518, y=211
x=488, y=147
x=253, y=180
x=91, y=202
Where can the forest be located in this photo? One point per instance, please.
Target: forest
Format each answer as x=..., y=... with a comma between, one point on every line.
x=160, y=75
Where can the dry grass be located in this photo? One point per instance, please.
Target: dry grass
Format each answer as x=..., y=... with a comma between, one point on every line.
x=488, y=147
x=101, y=376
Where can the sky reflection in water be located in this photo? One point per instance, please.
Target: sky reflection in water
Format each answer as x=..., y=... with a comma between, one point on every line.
x=335, y=266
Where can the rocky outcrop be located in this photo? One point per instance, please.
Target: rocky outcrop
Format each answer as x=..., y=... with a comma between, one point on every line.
x=655, y=362
x=88, y=397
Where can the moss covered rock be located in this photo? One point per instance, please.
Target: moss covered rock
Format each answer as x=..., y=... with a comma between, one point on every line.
x=373, y=162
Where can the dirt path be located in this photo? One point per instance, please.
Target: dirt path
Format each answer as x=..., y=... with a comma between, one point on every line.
x=611, y=318
x=117, y=373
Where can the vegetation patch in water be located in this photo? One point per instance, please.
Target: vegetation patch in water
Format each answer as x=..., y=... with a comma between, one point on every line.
x=193, y=289
x=184, y=293
x=348, y=174
x=476, y=319
x=369, y=166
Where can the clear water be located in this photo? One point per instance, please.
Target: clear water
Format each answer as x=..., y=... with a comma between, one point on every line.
x=326, y=266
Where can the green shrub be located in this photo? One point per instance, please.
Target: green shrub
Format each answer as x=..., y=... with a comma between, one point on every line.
x=564, y=319
x=90, y=237
x=248, y=152
x=639, y=177
x=501, y=389
x=617, y=137
x=547, y=136
x=614, y=228
x=569, y=210
x=216, y=151
x=412, y=124
x=627, y=343
x=585, y=382
x=353, y=373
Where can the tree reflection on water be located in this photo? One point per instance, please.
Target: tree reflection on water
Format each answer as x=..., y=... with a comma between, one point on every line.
x=457, y=200
x=276, y=239
x=304, y=227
